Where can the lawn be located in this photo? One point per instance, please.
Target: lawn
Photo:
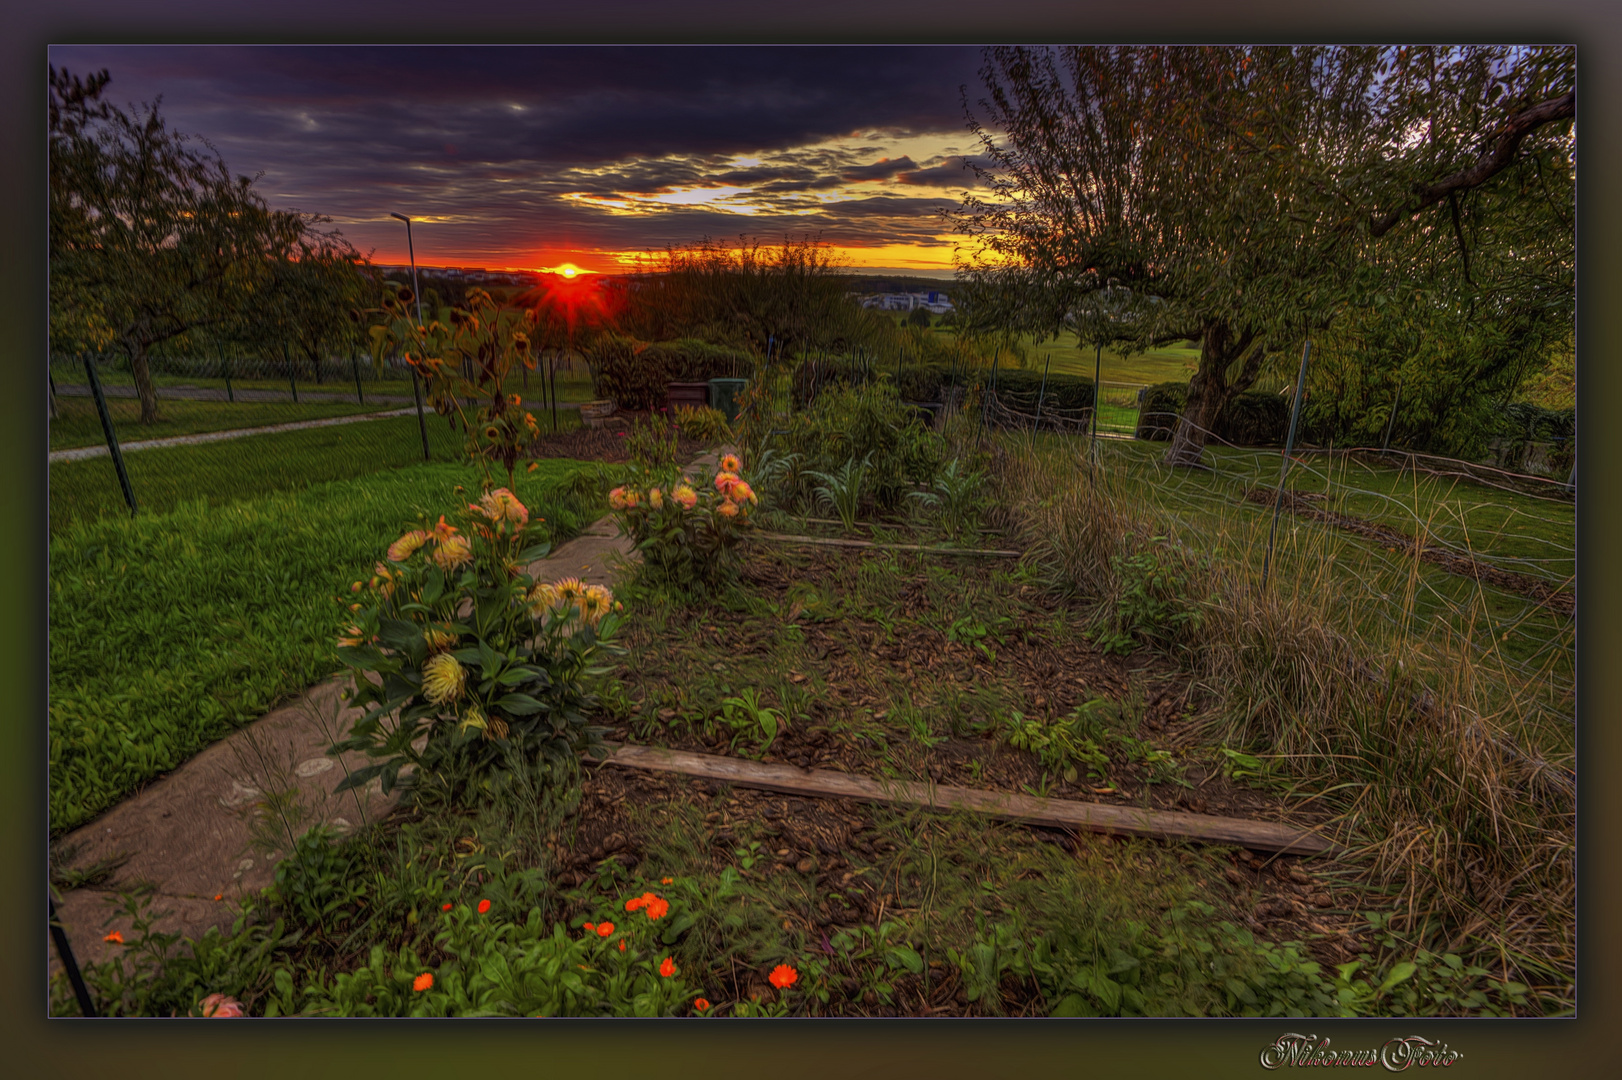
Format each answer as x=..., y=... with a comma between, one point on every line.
x=171, y=629
x=78, y=424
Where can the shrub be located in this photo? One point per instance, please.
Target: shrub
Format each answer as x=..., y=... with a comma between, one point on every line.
x=703, y=424
x=472, y=653
x=635, y=374
x=686, y=532
x=1253, y=418
x=855, y=423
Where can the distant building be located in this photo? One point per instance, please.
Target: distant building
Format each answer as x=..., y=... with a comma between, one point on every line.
x=935, y=302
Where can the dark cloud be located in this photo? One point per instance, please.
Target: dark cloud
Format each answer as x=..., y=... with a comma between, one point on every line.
x=951, y=173
x=488, y=144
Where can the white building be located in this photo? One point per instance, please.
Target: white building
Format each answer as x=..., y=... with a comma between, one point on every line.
x=935, y=302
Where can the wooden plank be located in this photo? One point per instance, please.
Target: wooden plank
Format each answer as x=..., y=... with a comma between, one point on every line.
x=825, y=541
x=1098, y=817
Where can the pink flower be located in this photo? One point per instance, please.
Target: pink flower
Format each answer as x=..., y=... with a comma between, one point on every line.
x=220, y=1007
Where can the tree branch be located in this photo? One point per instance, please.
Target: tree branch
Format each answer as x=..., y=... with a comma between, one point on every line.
x=1492, y=161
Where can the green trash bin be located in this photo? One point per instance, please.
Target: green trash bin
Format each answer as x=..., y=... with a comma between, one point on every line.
x=724, y=395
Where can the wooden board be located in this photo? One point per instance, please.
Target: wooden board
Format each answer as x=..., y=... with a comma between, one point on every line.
x=784, y=538
x=1098, y=817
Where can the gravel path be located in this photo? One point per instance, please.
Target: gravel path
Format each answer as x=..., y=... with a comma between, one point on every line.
x=83, y=452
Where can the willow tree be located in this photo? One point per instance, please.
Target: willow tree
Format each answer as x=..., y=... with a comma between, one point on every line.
x=1243, y=198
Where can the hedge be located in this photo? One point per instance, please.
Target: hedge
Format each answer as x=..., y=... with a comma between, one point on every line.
x=635, y=374
x=1019, y=389
x=1253, y=418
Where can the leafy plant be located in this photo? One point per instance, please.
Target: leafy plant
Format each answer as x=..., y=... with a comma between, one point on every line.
x=686, y=532
x=1058, y=744
x=704, y=424
x=746, y=716
x=651, y=444
x=842, y=491
x=470, y=653
x=1152, y=603
x=957, y=496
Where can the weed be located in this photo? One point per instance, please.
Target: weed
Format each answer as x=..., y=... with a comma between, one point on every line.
x=748, y=718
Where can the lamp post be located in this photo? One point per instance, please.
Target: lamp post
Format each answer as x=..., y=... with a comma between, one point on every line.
x=416, y=290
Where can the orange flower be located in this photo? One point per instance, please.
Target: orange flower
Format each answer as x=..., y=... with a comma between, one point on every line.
x=622, y=946
x=114, y=938
x=701, y=1004
x=590, y=926
x=668, y=968
x=423, y=981
x=730, y=463
x=484, y=906
x=604, y=929
x=727, y=509
x=783, y=976
x=666, y=880
x=447, y=906
x=219, y=896
x=658, y=908
x=636, y=902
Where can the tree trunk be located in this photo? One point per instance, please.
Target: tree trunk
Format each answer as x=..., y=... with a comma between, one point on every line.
x=1210, y=390
x=141, y=370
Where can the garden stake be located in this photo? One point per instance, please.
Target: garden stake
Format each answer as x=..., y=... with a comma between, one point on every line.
x=64, y=953
x=1284, y=466
x=1092, y=443
x=422, y=424
x=1385, y=443
x=359, y=397
x=107, y=428
x=225, y=368
x=1040, y=396
x=288, y=360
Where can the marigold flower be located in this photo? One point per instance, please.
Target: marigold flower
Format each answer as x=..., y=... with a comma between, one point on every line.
x=728, y=509
x=783, y=976
x=114, y=938
x=438, y=640
x=604, y=929
x=516, y=400
x=632, y=499
x=403, y=548
x=668, y=968
x=220, y=1007
x=686, y=496
x=636, y=902
x=701, y=1004
x=442, y=679
x=423, y=982
x=453, y=552
x=219, y=896
x=484, y=906
x=730, y=463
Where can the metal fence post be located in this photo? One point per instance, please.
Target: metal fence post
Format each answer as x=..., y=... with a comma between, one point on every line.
x=64, y=953
x=355, y=368
x=1284, y=467
x=107, y=429
x=288, y=360
x=422, y=423
x=1040, y=397
x=1392, y=419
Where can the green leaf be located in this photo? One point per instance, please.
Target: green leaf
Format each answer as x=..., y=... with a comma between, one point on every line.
x=519, y=705
x=1398, y=974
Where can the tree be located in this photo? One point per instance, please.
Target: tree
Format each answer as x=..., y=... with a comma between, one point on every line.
x=151, y=235
x=313, y=285
x=1238, y=196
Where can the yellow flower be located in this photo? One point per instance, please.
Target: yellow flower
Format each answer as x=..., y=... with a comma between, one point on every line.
x=570, y=589
x=438, y=640
x=616, y=498
x=542, y=598
x=727, y=509
x=503, y=505
x=730, y=463
x=655, y=498
x=442, y=679
x=403, y=548
x=453, y=552
x=597, y=602
x=686, y=496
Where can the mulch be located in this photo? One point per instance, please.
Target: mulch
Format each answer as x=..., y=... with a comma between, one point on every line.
x=606, y=444
x=1545, y=593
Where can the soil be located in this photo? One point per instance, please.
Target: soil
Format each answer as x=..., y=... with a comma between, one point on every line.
x=606, y=443
x=1534, y=588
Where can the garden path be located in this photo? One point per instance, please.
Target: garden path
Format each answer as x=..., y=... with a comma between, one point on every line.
x=188, y=836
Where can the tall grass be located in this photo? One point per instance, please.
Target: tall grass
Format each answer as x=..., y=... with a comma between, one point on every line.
x=1448, y=763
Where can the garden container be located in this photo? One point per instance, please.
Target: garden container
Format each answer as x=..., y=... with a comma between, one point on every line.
x=593, y=413
x=724, y=394
x=694, y=395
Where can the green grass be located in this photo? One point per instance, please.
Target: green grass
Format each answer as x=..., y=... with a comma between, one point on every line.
x=77, y=423
x=572, y=386
x=1169, y=364
x=170, y=629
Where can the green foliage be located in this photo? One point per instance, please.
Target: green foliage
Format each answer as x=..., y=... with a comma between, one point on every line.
x=957, y=497
x=470, y=652
x=1153, y=603
x=703, y=424
x=686, y=531
x=747, y=717
x=851, y=424
x=842, y=491
x=651, y=444
x=1252, y=418
x=635, y=374
x=1062, y=744
x=170, y=629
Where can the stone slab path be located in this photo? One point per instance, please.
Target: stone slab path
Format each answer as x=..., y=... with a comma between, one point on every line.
x=188, y=835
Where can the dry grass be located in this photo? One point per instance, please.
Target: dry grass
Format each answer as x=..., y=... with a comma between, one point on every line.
x=1430, y=748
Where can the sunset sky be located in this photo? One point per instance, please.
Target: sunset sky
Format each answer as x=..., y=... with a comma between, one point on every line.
x=535, y=156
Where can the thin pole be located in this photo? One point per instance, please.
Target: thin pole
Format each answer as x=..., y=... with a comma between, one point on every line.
x=288, y=360
x=355, y=370
x=1040, y=397
x=225, y=369
x=1386, y=443
x=52, y=379
x=1098, y=367
x=107, y=429
x=1284, y=466
x=416, y=380
x=553, y=375
x=64, y=952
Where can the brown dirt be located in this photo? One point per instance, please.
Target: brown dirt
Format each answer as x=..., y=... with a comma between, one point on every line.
x=606, y=444
x=1551, y=596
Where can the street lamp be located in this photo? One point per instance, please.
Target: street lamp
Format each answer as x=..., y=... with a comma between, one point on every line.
x=416, y=290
